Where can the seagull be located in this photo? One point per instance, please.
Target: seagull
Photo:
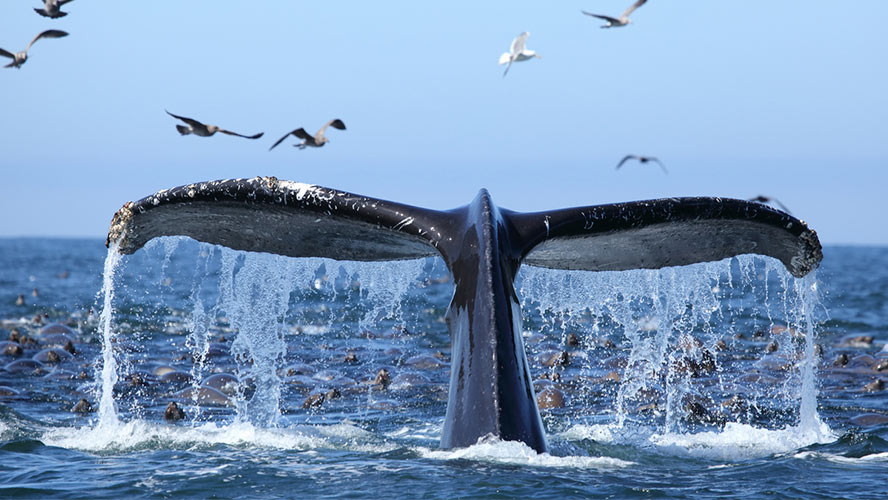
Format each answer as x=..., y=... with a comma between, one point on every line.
x=623, y=20
x=197, y=128
x=19, y=58
x=769, y=199
x=51, y=9
x=517, y=52
x=316, y=141
x=641, y=159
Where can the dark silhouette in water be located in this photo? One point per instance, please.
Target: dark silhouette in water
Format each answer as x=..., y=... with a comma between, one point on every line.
x=491, y=389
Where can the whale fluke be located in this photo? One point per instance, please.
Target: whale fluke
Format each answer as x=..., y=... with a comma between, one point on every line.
x=264, y=214
x=667, y=232
x=483, y=246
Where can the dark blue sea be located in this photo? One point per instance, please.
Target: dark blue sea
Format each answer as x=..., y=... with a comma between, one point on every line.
x=302, y=378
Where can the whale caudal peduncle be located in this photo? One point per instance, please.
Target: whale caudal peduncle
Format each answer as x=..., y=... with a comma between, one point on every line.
x=491, y=389
x=483, y=246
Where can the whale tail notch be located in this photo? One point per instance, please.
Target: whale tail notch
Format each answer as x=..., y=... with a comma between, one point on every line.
x=491, y=389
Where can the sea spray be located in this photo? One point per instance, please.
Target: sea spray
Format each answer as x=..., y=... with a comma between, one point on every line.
x=668, y=324
x=383, y=286
x=255, y=296
x=108, y=374
x=198, y=326
x=809, y=420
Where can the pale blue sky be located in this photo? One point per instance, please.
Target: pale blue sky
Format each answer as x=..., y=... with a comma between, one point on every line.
x=738, y=98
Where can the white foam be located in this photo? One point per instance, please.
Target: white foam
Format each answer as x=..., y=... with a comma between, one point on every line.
x=517, y=453
x=735, y=442
x=742, y=441
x=599, y=433
x=139, y=434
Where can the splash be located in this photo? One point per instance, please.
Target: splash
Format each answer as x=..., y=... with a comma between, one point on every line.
x=734, y=442
x=492, y=450
x=138, y=435
x=382, y=289
x=670, y=326
x=108, y=374
x=255, y=299
x=259, y=299
x=806, y=289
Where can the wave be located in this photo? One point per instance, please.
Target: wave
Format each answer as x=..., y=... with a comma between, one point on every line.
x=140, y=435
x=496, y=451
x=841, y=459
x=735, y=442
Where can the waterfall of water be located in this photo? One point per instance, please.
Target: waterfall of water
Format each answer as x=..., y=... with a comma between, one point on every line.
x=255, y=294
x=381, y=288
x=671, y=323
x=108, y=374
x=199, y=323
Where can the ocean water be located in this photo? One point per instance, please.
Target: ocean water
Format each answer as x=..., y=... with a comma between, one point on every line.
x=728, y=379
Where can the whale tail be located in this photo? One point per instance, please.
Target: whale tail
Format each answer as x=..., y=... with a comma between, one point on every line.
x=302, y=220
x=483, y=246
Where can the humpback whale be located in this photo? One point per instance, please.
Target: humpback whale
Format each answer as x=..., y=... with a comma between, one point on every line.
x=483, y=246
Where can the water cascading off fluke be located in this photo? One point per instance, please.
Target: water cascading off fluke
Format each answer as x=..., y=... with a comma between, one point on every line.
x=484, y=247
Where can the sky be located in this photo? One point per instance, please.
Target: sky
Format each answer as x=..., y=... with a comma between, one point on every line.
x=737, y=98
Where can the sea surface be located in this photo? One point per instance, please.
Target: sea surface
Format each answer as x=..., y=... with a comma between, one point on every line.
x=302, y=378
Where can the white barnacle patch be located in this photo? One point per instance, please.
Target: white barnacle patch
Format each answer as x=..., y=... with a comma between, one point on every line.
x=300, y=188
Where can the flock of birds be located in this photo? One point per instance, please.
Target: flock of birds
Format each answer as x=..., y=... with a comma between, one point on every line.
x=314, y=141
x=518, y=52
x=51, y=9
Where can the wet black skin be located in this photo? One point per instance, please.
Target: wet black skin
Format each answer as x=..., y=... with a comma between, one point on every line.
x=491, y=391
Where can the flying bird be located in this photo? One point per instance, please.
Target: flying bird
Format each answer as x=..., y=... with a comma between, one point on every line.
x=768, y=199
x=197, y=128
x=623, y=20
x=316, y=141
x=51, y=9
x=517, y=52
x=641, y=159
x=19, y=58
